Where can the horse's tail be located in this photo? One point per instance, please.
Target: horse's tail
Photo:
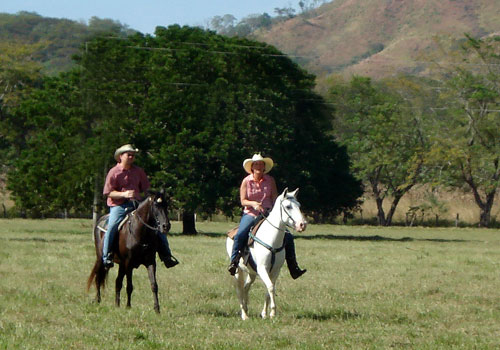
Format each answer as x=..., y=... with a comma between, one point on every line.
x=97, y=275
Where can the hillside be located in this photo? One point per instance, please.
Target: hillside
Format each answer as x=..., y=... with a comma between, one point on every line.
x=368, y=37
x=379, y=37
x=57, y=40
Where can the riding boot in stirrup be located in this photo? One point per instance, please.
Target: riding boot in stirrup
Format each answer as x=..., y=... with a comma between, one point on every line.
x=233, y=266
x=108, y=261
x=295, y=270
x=170, y=262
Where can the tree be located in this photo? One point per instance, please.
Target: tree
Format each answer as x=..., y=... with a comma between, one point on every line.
x=467, y=133
x=197, y=104
x=45, y=177
x=384, y=140
x=18, y=75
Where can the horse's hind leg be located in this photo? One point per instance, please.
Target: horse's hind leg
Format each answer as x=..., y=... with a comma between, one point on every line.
x=154, y=285
x=119, y=284
x=242, y=285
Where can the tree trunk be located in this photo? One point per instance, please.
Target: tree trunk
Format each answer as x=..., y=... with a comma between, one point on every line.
x=390, y=214
x=188, y=223
x=379, y=199
x=380, y=211
x=484, y=206
x=485, y=213
x=95, y=203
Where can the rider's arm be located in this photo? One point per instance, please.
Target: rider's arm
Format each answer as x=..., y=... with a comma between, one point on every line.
x=119, y=195
x=244, y=200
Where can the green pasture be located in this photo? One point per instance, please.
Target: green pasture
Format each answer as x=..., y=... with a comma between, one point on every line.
x=366, y=288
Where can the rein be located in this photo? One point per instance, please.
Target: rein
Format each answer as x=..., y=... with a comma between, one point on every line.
x=147, y=225
x=281, y=218
x=144, y=223
x=267, y=246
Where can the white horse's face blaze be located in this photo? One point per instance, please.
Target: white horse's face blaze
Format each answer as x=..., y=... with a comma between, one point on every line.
x=292, y=209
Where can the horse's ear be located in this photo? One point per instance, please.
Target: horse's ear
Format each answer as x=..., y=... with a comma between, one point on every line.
x=295, y=193
x=285, y=191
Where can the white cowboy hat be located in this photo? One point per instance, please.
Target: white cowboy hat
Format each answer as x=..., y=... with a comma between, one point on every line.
x=247, y=163
x=124, y=149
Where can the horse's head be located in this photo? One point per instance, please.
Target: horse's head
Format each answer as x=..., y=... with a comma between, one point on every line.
x=159, y=209
x=290, y=207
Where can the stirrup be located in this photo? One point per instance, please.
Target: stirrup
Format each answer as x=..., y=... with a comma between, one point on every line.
x=108, y=262
x=170, y=262
x=233, y=266
x=296, y=272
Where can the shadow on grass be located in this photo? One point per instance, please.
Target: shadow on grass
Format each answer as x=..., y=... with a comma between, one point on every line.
x=375, y=238
x=378, y=238
x=37, y=239
x=329, y=315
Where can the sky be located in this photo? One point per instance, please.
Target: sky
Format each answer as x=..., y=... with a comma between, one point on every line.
x=145, y=15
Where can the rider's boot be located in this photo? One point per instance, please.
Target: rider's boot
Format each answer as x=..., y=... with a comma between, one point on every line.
x=295, y=270
x=291, y=258
x=164, y=251
x=170, y=261
x=233, y=266
x=108, y=261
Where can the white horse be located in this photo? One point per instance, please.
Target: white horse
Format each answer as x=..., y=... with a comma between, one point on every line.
x=268, y=251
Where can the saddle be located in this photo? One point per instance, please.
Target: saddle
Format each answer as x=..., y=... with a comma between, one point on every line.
x=102, y=225
x=245, y=254
x=232, y=232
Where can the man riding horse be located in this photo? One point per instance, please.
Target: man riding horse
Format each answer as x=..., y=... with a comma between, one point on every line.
x=124, y=183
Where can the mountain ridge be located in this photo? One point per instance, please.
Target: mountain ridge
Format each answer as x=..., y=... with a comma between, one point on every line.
x=378, y=37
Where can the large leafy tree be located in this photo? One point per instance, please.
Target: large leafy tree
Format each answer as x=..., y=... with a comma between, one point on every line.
x=197, y=104
x=467, y=132
x=18, y=75
x=383, y=136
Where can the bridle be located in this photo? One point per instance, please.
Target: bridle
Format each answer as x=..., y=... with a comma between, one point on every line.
x=158, y=224
x=283, y=209
x=269, y=247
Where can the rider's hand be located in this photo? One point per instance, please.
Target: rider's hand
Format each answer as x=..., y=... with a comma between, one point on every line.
x=129, y=194
x=258, y=206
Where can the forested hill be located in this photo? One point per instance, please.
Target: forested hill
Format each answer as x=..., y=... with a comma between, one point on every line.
x=53, y=40
x=378, y=37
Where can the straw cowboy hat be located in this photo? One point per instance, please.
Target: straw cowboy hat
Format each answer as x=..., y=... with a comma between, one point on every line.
x=124, y=149
x=247, y=163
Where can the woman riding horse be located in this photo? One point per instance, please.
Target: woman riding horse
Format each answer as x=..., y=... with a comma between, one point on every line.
x=257, y=195
x=125, y=182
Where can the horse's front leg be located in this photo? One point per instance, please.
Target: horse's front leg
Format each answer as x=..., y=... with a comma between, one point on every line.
x=130, y=286
x=154, y=285
x=270, y=296
x=119, y=284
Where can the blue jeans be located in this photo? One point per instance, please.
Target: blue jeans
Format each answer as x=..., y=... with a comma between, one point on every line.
x=116, y=215
x=241, y=237
x=163, y=248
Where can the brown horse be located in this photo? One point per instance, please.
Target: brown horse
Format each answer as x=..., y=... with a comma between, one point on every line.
x=135, y=244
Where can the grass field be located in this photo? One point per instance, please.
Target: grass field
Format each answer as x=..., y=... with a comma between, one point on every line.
x=366, y=288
